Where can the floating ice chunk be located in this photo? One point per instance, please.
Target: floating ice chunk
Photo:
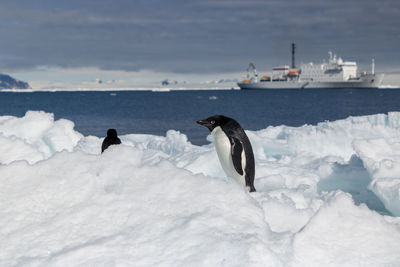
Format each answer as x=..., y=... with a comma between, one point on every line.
x=326, y=138
x=38, y=131
x=173, y=143
x=381, y=158
x=13, y=148
x=342, y=234
x=90, y=145
x=286, y=210
x=159, y=200
x=79, y=209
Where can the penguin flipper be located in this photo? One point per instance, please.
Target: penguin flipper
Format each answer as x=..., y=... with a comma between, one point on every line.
x=236, y=152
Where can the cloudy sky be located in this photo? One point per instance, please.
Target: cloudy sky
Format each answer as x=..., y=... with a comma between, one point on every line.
x=81, y=40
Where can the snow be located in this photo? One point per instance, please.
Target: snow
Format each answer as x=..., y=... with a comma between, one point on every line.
x=327, y=195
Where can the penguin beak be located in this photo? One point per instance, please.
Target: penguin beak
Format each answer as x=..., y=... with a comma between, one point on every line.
x=205, y=123
x=202, y=122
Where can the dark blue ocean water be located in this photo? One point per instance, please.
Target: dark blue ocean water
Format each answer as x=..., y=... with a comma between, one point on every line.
x=156, y=112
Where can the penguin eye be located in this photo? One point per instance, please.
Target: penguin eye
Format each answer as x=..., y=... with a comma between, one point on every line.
x=213, y=122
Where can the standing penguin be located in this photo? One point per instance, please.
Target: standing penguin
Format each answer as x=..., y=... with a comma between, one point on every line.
x=111, y=139
x=233, y=148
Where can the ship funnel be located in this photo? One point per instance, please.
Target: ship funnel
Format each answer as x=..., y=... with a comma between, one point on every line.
x=293, y=52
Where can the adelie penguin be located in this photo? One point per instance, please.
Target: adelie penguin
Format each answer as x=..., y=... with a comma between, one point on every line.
x=233, y=148
x=111, y=139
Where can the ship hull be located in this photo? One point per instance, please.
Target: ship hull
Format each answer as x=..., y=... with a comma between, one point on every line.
x=368, y=81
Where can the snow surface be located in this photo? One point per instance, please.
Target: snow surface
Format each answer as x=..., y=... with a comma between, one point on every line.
x=327, y=195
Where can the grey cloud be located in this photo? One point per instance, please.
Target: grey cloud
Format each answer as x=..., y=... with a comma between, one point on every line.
x=194, y=36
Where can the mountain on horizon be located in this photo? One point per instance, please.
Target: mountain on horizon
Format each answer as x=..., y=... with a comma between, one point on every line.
x=8, y=82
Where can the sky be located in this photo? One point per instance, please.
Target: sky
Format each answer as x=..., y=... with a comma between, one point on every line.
x=132, y=41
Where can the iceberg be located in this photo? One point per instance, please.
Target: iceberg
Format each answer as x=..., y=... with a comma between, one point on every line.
x=327, y=195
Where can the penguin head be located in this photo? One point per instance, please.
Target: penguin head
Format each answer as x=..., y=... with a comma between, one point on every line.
x=214, y=121
x=112, y=133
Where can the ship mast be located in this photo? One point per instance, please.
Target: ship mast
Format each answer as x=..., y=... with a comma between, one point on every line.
x=373, y=66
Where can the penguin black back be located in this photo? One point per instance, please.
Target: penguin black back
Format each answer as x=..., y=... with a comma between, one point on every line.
x=239, y=143
x=111, y=139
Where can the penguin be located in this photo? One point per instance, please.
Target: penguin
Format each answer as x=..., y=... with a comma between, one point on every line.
x=233, y=148
x=111, y=139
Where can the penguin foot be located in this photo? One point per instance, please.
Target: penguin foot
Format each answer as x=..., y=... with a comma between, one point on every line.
x=251, y=188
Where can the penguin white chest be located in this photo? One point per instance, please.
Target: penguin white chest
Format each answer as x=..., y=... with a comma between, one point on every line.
x=223, y=148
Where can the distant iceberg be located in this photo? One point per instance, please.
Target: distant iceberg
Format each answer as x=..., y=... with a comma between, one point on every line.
x=162, y=201
x=389, y=87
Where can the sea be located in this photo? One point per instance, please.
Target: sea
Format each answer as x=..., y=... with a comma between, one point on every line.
x=148, y=112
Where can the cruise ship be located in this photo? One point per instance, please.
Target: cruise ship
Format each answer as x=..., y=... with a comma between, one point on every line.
x=336, y=74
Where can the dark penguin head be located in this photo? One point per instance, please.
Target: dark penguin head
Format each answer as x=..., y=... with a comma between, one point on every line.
x=111, y=139
x=214, y=121
x=112, y=133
